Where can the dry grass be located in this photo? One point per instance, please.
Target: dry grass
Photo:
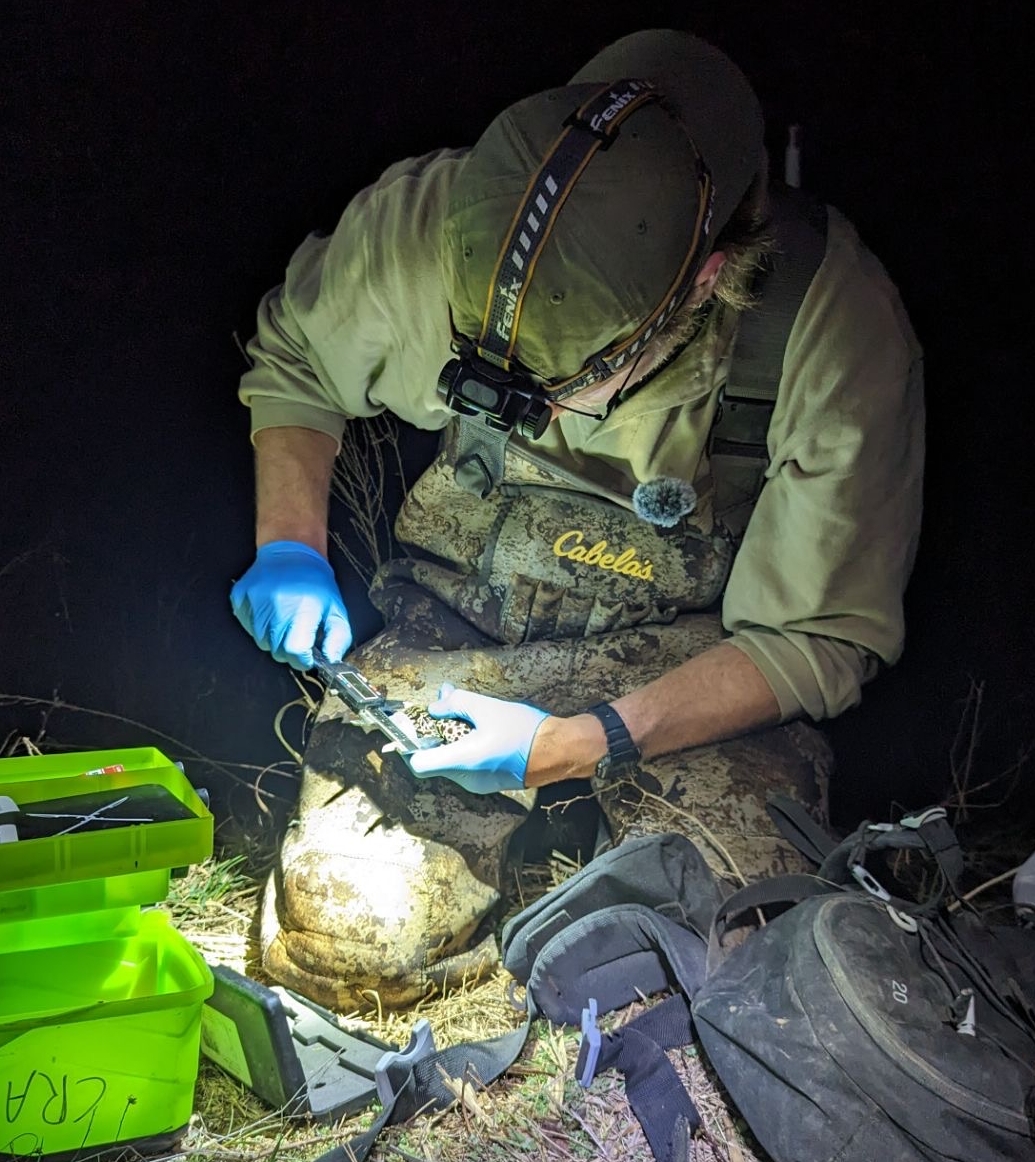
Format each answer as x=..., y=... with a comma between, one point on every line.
x=535, y=1111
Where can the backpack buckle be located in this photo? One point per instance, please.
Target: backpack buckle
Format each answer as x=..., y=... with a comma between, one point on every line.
x=867, y=881
x=422, y=1044
x=931, y=815
x=589, y=1046
x=906, y=922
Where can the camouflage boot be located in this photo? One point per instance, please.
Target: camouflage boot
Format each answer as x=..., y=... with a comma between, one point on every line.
x=387, y=886
x=384, y=891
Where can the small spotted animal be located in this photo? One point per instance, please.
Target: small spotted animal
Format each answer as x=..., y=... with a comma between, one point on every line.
x=447, y=729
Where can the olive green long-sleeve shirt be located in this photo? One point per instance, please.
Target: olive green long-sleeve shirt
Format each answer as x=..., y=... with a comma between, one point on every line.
x=361, y=325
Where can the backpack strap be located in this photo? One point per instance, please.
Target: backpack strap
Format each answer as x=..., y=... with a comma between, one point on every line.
x=785, y=889
x=615, y=955
x=665, y=872
x=414, y=1083
x=928, y=831
x=797, y=826
x=662, y=1105
x=605, y=961
x=843, y=862
x=737, y=447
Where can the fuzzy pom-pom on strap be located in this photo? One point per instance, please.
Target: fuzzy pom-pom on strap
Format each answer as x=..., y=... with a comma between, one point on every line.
x=664, y=501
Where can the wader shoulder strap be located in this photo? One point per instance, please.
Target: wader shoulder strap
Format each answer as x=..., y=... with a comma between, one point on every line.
x=737, y=443
x=480, y=452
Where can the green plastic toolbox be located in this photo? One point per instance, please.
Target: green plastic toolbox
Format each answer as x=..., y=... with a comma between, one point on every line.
x=100, y=1043
x=100, y=997
x=88, y=838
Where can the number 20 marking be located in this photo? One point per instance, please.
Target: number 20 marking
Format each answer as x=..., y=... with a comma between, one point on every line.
x=900, y=992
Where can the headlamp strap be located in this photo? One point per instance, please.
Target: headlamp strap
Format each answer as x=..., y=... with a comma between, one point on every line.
x=591, y=127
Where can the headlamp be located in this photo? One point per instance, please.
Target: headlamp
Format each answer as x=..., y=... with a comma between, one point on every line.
x=487, y=379
x=507, y=399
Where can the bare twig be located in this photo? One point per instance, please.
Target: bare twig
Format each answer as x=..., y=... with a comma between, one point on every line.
x=278, y=724
x=1002, y=878
x=55, y=704
x=962, y=750
x=370, y=453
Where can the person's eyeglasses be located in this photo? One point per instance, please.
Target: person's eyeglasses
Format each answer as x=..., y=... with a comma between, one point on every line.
x=611, y=403
x=565, y=407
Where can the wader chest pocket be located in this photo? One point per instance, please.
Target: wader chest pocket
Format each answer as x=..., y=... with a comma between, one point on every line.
x=569, y=564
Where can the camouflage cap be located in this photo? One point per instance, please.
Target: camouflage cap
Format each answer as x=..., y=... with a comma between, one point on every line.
x=632, y=216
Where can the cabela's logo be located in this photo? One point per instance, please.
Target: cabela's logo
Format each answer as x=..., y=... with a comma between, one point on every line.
x=572, y=545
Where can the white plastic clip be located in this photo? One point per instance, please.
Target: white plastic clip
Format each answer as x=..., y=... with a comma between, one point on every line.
x=928, y=816
x=906, y=922
x=968, y=1026
x=863, y=877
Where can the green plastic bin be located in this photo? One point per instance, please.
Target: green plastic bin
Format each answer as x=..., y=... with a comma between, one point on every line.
x=99, y=1044
x=92, y=847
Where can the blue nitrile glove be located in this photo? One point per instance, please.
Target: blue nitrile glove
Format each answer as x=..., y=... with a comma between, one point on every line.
x=493, y=757
x=289, y=601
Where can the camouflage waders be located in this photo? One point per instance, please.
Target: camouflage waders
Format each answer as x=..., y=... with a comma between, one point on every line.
x=388, y=884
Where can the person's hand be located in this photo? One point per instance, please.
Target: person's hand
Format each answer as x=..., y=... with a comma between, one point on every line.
x=494, y=755
x=289, y=602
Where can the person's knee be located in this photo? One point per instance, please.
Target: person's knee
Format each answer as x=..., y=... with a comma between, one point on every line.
x=717, y=796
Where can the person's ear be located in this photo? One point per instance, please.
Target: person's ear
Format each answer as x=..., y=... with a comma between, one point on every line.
x=710, y=270
x=704, y=283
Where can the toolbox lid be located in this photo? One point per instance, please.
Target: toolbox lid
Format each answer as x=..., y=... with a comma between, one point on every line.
x=289, y=1051
x=95, y=830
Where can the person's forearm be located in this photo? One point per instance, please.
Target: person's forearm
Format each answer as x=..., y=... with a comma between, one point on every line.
x=293, y=468
x=716, y=695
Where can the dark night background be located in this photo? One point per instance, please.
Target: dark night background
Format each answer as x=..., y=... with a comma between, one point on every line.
x=161, y=161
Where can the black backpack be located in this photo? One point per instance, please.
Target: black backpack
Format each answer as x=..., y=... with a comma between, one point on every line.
x=856, y=1026
x=853, y=1026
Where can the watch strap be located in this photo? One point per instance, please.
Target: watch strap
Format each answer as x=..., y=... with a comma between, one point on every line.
x=621, y=750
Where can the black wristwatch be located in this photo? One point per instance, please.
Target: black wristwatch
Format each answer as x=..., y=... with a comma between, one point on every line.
x=621, y=750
